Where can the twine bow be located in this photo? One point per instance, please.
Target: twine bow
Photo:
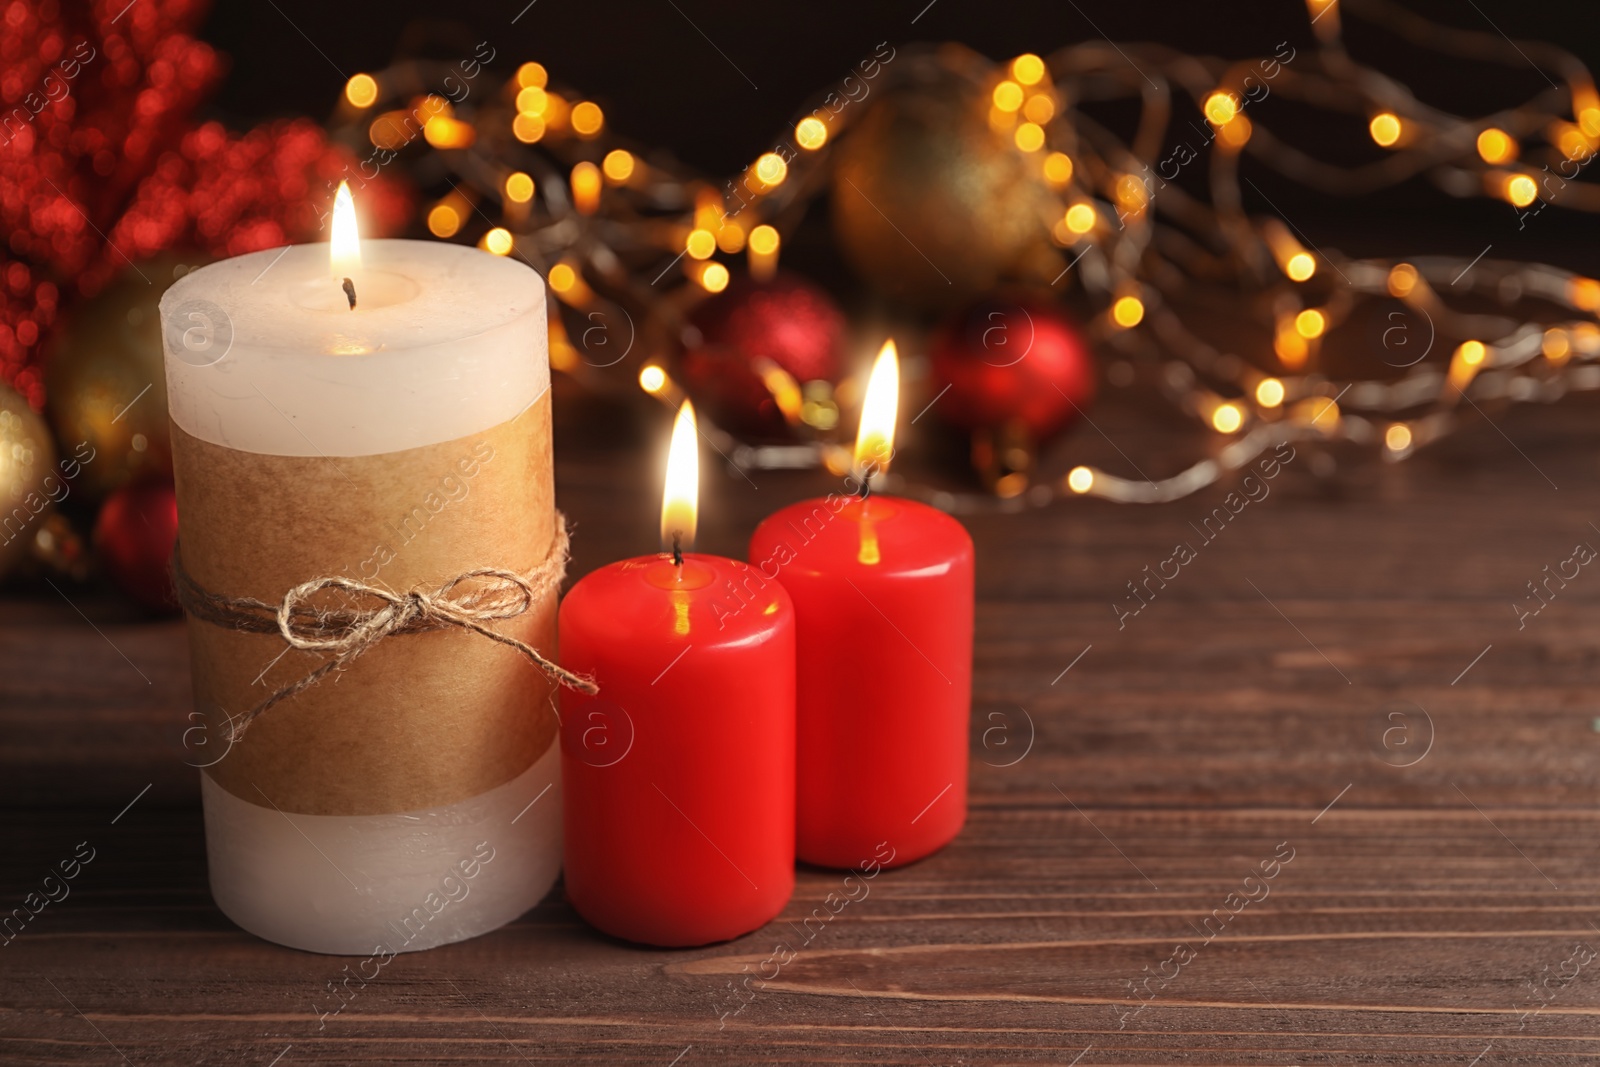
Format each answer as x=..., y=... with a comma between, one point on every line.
x=493, y=594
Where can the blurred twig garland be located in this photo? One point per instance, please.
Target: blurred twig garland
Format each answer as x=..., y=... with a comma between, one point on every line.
x=632, y=240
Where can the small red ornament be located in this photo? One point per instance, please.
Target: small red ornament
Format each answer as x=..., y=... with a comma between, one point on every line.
x=103, y=166
x=135, y=533
x=1012, y=365
x=787, y=321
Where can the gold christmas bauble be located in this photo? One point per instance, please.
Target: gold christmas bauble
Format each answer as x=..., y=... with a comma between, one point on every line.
x=30, y=485
x=105, y=382
x=930, y=205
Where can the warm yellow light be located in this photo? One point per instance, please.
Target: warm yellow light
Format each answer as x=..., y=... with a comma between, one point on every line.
x=362, y=90
x=1468, y=359
x=1300, y=266
x=1521, y=190
x=562, y=277
x=1040, y=108
x=784, y=389
x=1080, y=479
x=527, y=128
x=587, y=119
x=344, y=244
x=1001, y=121
x=532, y=75
x=1589, y=121
x=730, y=238
x=771, y=169
x=1318, y=9
x=1227, y=418
x=1128, y=311
x=700, y=244
x=1496, y=146
x=764, y=243
x=392, y=130
x=679, y=498
x=1291, y=348
x=1080, y=218
x=709, y=209
x=618, y=165
x=714, y=278
x=443, y=220
x=1574, y=144
x=563, y=356
x=1131, y=193
x=1006, y=487
x=1236, y=134
x=1027, y=68
x=875, y=437
x=1058, y=168
x=764, y=240
x=557, y=112
x=1402, y=279
x=1397, y=438
x=586, y=187
x=1319, y=412
x=1008, y=96
x=1030, y=137
x=519, y=187
x=1310, y=323
x=1585, y=294
x=498, y=241
x=1385, y=128
x=1556, y=346
x=1269, y=392
x=442, y=131
x=810, y=133
x=533, y=101
x=652, y=379
x=1220, y=108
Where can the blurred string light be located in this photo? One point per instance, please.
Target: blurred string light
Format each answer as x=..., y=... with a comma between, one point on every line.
x=657, y=235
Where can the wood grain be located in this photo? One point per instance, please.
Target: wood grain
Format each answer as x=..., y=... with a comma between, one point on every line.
x=1438, y=872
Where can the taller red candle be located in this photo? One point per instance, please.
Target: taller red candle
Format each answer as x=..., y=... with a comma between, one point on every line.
x=883, y=597
x=679, y=777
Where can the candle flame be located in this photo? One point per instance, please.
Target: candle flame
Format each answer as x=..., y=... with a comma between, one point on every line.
x=344, y=245
x=875, y=439
x=679, y=499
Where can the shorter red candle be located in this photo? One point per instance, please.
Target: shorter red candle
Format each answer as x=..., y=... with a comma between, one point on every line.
x=678, y=778
x=883, y=596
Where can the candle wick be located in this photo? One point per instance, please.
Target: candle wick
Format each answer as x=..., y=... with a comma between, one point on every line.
x=350, y=291
x=677, y=548
x=866, y=480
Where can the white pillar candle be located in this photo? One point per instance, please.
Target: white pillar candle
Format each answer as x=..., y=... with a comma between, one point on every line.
x=398, y=444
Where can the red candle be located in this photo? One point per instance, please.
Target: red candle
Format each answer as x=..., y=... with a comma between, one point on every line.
x=678, y=779
x=883, y=597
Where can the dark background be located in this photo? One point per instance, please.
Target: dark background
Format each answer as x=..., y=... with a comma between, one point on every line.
x=664, y=84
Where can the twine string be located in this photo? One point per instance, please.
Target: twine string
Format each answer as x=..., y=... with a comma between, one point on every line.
x=469, y=601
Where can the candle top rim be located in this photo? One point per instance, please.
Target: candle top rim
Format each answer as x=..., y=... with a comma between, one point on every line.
x=461, y=292
x=915, y=538
x=619, y=599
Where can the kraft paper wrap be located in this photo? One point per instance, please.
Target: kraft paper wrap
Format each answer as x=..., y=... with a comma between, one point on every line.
x=420, y=719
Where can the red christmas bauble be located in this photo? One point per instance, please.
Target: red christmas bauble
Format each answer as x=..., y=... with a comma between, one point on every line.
x=787, y=320
x=1019, y=363
x=135, y=533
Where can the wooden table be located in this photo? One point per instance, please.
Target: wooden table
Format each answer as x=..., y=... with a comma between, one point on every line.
x=1340, y=676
